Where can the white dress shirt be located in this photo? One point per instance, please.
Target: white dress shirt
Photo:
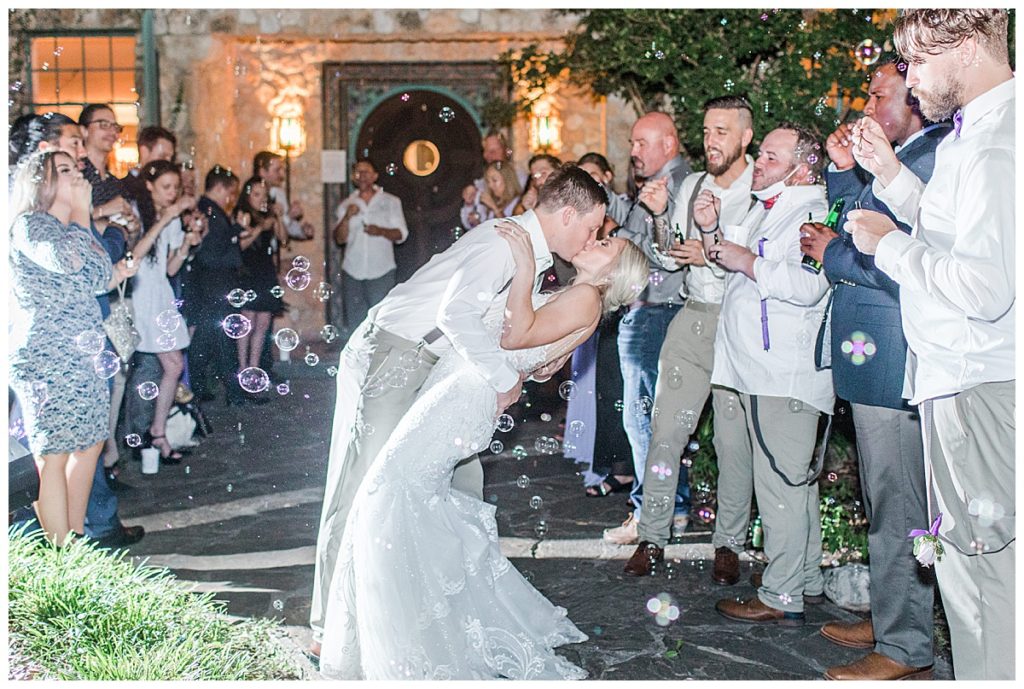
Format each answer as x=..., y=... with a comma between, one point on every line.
x=707, y=283
x=368, y=257
x=453, y=292
x=956, y=269
x=293, y=226
x=795, y=305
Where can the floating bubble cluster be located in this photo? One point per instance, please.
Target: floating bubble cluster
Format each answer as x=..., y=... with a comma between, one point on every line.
x=296, y=279
x=859, y=348
x=663, y=607
x=300, y=263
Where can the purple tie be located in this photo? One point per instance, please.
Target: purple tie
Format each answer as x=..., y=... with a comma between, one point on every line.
x=958, y=122
x=764, y=302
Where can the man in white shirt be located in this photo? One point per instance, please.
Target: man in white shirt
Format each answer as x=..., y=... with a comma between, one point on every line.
x=957, y=295
x=763, y=351
x=441, y=307
x=370, y=223
x=687, y=353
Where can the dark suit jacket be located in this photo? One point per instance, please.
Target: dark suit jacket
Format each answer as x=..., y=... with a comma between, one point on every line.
x=866, y=300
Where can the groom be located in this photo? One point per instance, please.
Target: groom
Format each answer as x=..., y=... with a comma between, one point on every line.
x=440, y=307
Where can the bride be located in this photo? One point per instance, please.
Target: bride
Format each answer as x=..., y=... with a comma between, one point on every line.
x=421, y=589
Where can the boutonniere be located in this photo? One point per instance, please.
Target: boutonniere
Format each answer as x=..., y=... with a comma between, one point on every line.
x=927, y=546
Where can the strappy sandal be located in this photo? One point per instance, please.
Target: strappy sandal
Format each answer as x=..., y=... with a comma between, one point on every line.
x=615, y=486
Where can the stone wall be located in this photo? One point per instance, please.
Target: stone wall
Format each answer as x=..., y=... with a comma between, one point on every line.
x=221, y=71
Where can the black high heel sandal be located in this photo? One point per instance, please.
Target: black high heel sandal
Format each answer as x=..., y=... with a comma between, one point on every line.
x=174, y=457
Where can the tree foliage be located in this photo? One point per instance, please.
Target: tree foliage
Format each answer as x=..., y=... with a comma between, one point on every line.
x=797, y=65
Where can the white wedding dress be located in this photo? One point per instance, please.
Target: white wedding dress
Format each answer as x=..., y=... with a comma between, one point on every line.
x=421, y=589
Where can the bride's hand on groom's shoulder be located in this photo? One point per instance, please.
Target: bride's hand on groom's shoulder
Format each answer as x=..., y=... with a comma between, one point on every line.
x=519, y=241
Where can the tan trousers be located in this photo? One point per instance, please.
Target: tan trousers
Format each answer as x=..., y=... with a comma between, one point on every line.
x=684, y=382
x=969, y=447
x=366, y=412
x=789, y=513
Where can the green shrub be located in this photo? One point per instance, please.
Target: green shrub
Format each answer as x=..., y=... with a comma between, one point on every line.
x=83, y=613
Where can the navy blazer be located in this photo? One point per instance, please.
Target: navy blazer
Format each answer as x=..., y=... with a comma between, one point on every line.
x=866, y=300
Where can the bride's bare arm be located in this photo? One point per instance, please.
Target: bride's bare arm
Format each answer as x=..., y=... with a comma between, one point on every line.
x=576, y=308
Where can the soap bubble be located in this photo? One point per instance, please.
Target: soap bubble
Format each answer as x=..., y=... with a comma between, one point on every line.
x=283, y=388
x=90, y=341
x=803, y=339
x=396, y=378
x=867, y=52
x=567, y=390
x=286, y=339
x=859, y=348
x=796, y=406
x=236, y=326
x=536, y=502
x=300, y=263
x=374, y=387
x=332, y=371
x=545, y=417
x=576, y=428
x=642, y=406
x=311, y=359
x=405, y=97
x=523, y=481
x=687, y=419
x=410, y=361
x=391, y=169
x=250, y=295
x=446, y=114
x=706, y=514
x=322, y=292
x=166, y=342
x=519, y=452
x=505, y=423
x=169, y=320
x=541, y=529
x=674, y=378
x=106, y=364
x=277, y=291
x=253, y=379
x=497, y=447
x=329, y=333
x=237, y=298
x=664, y=609
x=297, y=279
x=148, y=390
x=133, y=440
x=655, y=278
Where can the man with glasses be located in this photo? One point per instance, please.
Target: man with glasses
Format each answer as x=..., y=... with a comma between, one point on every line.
x=101, y=131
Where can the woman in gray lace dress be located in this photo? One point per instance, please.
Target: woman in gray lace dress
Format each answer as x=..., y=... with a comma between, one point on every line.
x=57, y=268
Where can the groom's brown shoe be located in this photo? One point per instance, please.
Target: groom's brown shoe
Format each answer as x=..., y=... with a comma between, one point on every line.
x=314, y=649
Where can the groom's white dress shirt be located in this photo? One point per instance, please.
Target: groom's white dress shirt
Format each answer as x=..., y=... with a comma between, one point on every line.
x=454, y=291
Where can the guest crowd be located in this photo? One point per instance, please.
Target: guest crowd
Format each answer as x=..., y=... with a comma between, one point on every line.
x=899, y=301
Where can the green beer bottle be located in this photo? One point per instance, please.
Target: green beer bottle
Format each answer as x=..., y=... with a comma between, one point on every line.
x=757, y=533
x=831, y=220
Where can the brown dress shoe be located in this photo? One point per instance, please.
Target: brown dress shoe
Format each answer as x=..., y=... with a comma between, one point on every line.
x=726, y=571
x=756, y=578
x=855, y=635
x=875, y=666
x=642, y=562
x=754, y=610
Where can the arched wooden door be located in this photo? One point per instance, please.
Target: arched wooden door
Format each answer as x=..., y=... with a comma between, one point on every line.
x=426, y=148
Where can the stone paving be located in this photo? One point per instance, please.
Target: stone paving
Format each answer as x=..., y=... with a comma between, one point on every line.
x=239, y=518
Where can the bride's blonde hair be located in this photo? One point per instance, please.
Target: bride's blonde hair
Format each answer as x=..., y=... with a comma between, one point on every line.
x=627, y=280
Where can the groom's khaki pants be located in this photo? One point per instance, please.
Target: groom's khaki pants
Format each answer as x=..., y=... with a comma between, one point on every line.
x=364, y=418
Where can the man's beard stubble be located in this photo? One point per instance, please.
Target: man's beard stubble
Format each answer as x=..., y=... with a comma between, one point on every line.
x=941, y=102
x=726, y=163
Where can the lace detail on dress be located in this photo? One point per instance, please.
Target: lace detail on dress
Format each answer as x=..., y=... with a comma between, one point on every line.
x=421, y=589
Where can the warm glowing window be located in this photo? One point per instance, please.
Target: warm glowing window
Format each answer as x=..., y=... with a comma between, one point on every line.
x=71, y=71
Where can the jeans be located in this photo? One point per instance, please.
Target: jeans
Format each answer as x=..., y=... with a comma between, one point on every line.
x=641, y=333
x=359, y=296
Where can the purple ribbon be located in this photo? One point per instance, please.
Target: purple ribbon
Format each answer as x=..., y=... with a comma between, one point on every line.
x=764, y=302
x=958, y=122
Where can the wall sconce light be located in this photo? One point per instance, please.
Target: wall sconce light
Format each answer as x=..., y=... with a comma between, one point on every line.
x=124, y=157
x=545, y=128
x=288, y=137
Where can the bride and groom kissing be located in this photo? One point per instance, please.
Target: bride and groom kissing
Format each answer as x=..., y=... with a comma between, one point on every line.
x=409, y=579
